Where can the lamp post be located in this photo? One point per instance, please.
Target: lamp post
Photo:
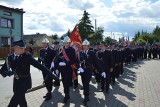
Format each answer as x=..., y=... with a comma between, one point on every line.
x=10, y=31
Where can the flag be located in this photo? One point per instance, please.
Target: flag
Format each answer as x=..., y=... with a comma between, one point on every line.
x=76, y=41
x=75, y=35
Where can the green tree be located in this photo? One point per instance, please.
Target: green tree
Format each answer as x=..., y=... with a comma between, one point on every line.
x=156, y=32
x=68, y=33
x=55, y=36
x=142, y=41
x=108, y=40
x=97, y=36
x=85, y=27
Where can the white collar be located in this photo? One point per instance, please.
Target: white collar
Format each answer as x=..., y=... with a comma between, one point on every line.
x=15, y=54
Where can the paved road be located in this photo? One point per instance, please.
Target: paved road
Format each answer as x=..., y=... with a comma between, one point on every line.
x=139, y=86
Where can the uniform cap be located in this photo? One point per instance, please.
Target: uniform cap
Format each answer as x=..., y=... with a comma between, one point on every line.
x=66, y=39
x=19, y=43
x=56, y=43
x=85, y=42
x=45, y=40
x=101, y=43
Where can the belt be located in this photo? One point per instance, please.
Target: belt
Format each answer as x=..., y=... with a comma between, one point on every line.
x=16, y=76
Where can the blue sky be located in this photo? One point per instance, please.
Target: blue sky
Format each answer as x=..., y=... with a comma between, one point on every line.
x=121, y=17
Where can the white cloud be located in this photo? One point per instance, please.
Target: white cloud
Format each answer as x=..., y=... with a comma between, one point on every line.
x=118, y=16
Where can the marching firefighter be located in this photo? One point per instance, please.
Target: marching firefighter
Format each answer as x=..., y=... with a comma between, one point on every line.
x=106, y=60
x=18, y=64
x=66, y=62
x=87, y=59
x=46, y=57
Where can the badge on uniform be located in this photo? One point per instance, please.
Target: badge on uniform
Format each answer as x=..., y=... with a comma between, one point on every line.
x=16, y=76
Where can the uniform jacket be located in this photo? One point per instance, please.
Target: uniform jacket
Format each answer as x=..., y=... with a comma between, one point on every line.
x=46, y=56
x=106, y=59
x=89, y=60
x=21, y=67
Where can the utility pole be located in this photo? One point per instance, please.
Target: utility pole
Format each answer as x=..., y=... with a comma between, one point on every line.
x=95, y=25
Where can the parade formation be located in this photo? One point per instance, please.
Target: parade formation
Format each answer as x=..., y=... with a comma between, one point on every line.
x=104, y=62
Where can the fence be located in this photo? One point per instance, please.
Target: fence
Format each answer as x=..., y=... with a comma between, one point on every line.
x=4, y=51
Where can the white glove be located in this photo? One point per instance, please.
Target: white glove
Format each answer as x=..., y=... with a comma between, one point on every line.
x=57, y=72
x=80, y=70
x=62, y=64
x=52, y=65
x=103, y=74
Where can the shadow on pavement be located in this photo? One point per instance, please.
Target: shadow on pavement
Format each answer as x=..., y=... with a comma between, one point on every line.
x=115, y=98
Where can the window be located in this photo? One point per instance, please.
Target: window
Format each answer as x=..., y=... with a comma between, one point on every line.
x=6, y=23
x=6, y=41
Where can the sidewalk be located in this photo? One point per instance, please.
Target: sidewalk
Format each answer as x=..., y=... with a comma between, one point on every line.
x=139, y=86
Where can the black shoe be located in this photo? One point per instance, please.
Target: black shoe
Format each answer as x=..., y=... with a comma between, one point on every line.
x=46, y=95
x=48, y=98
x=75, y=87
x=101, y=90
x=86, y=99
x=65, y=100
x=82, y=88
x=56, y=84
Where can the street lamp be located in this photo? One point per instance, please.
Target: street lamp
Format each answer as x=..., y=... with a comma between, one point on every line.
x=10, y=31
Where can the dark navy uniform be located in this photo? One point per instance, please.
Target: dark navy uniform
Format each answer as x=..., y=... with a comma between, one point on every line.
x=96, y=73
x=65, y=68
x=87, y=60
x=145, y=52
x=46, y=57
x=106, y=60
x=149, y=52
x=115, y=64
x=22, y=78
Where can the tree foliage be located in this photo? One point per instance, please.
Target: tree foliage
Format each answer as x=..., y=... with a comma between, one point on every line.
x=145, y=37
x=97, y=36
x=85, y=27
x=156, y=31
x=108, y=40
x=55, y=36
x=68, y=33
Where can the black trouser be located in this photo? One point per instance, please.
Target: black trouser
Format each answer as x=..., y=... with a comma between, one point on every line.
x=105, y=82
x=112, y=76
x=121, y=70
x=75, y=80
x=145, y=55
x=117, y=71
x=57, y=82
x=66, y=73
x=149, y=55
x=97, y=76
x=48, y=82
x=18, y=99
x=86, y=78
